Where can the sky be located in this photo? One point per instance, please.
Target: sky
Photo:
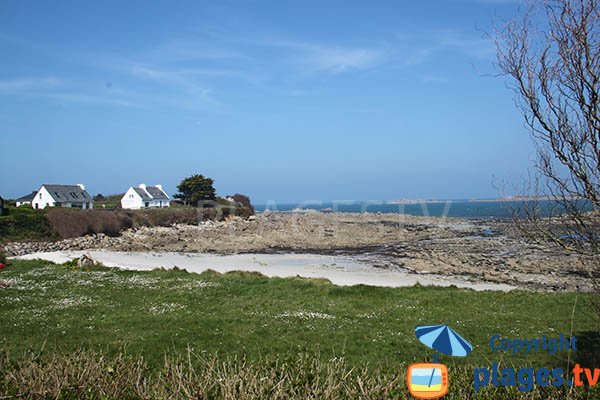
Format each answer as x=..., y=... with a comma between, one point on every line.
x=284, y=101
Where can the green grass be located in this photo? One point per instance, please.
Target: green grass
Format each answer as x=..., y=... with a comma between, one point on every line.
x=25, y=223
x=246, y=314
x=243, y=335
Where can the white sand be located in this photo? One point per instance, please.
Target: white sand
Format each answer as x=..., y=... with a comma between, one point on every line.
x=340, y=270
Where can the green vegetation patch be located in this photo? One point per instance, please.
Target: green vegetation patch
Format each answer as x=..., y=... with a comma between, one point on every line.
x=249, y=315
x=25, y=223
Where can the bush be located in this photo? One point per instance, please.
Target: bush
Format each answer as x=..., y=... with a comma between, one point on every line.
x=54, y=223
x=2, y=256
x=25, y=223
x=70, y=223
x=245, y=208
x=162, y=217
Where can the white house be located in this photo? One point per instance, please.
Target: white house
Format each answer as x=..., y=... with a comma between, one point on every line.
x=27, y=199
x=74, y=196
x=145, y=197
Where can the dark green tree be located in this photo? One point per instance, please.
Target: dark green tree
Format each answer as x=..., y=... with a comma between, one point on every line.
x=195, y=188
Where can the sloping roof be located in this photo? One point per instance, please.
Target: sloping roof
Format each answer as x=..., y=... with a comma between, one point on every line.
x=142, y=193
x=27, y=197
x=68, y=193
x=156, y=193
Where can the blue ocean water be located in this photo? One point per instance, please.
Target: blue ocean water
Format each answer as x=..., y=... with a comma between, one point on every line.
x=450, y=208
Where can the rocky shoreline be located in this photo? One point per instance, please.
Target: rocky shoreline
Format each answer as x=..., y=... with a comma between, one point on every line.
x=490, y=251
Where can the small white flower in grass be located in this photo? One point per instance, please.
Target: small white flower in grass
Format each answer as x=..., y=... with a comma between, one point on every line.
x=74, y=301
x=165, y=308
x=305, y=315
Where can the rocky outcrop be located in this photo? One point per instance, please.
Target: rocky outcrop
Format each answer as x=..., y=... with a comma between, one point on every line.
x=482, y=250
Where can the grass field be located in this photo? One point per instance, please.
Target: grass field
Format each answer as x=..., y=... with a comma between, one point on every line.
x=245, y=316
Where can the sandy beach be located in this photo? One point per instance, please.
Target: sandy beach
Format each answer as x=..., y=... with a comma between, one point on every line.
x=340, y=270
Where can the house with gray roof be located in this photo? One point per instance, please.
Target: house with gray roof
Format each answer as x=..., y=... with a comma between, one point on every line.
x=27, y=199
x=74, y=196
x=144, y=196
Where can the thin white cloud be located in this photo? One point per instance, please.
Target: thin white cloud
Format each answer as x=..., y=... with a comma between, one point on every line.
x=79, y=98
x=475, y=47
x=417, y=57
x=183, y=80
x=315, y=57
x=338, y=59
x=58, y=90
x=188, y=49
x=22, y=84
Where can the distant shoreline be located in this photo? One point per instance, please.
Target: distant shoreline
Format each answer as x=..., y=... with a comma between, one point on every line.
x=468, y=208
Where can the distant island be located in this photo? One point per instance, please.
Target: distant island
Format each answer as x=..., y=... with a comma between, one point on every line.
x=508, y=198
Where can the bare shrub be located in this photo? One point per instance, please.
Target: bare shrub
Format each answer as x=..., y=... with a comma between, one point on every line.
x=551, y=57
x=73, y=223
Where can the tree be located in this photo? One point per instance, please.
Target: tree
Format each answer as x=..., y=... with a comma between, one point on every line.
x=551, y=56
x=195, y=188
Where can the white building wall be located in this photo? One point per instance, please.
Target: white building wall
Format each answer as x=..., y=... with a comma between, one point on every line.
x=159, y=203
x=42, y=199
x=131, y=200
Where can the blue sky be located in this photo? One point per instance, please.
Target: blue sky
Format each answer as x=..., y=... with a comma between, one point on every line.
x=281, y=100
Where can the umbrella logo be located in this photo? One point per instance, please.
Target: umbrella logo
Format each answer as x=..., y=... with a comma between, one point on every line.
x=430, y=380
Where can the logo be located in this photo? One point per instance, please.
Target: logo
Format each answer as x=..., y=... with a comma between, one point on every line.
x=427, y=380
x=430, y=380
x=526, y=378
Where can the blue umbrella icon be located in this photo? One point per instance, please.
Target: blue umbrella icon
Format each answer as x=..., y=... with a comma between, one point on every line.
x=443, y=339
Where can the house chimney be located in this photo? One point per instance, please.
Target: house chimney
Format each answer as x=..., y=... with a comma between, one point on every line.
x=142, y=186
x=81, y=185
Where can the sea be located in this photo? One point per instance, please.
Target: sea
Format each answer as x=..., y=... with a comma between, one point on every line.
x=473, y=209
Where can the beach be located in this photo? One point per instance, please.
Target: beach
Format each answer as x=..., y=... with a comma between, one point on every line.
x=346, y=248
x=339, y=270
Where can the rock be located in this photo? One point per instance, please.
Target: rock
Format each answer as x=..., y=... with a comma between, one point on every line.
x=85, y=261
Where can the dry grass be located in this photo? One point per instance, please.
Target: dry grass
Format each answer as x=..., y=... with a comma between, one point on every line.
x=92, y=375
